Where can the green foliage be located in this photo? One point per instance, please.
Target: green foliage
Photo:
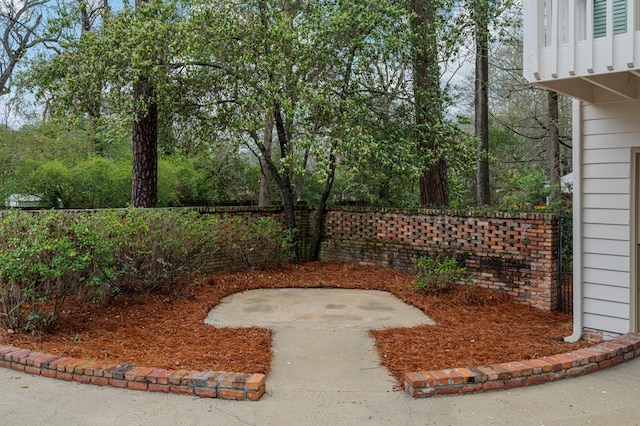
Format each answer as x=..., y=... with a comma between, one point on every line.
x=51, y=258
x=336, y=72
x=58, y=164
x=566, y=242
x=528, y=188
x=438, y=274
x=254, y=243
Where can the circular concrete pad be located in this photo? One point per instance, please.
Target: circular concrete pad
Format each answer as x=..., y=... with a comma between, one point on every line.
x=315, y=308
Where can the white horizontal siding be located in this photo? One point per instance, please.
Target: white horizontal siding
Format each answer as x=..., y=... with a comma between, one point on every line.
x=606, y=216
x=606, y=308
x=605, y=186
x=608, y=134
x=606, y=292
x=602, y=246
x=606, y=232
x=610, y=141
x=606, y=155
x=607, y=170
x=616, y=111
x=606, y=201
x=608, y=262
x=601, y=276
x=608, y=128
x=605, y=323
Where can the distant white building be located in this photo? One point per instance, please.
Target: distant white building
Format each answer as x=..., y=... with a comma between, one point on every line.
x=23, y=201
x=590, y=50
x=566, y=183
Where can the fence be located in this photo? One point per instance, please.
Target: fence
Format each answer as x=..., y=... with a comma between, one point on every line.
x=514, y=253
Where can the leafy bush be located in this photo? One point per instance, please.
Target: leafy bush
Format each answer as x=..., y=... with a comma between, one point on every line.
x=438, y=274
x=42, y=266
x=254, y=243
x=50, y=258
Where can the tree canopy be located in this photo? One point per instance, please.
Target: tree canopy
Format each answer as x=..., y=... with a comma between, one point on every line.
x=328, y=101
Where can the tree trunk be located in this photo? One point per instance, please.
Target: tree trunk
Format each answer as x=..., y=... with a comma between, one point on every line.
x=483, y=188
x=144, y=183
x=554, y=148
x=264, y=197
x=286, y=187
x=434, y=188
x=314, y=251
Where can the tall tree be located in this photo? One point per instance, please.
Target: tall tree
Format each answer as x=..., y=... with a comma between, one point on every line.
x=19, y=25
x=264, y=193
x=89, y=15
x=144, y=186
x=434, y=186
x=481, y=20
x=520, y=124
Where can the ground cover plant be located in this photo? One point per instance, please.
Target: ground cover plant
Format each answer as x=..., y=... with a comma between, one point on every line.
x=438, y=274
x=473, y=327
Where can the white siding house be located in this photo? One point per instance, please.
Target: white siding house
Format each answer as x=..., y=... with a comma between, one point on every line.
x=590, y=50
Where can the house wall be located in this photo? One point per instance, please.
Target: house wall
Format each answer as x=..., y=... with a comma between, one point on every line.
x=606, y=134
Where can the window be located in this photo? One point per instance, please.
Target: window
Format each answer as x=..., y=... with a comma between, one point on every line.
x=600, y=17
x=563, y=24
x=548, y=23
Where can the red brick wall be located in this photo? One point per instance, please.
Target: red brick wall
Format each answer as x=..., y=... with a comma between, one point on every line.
x=514, y=253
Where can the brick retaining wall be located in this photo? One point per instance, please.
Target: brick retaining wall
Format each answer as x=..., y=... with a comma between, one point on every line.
x=511, y=253
x=523, y=373
x=211, y=384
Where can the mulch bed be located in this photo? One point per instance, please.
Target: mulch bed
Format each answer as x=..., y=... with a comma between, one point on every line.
x=473, y=327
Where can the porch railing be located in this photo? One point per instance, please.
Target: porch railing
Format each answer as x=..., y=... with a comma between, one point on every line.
x=572, y=38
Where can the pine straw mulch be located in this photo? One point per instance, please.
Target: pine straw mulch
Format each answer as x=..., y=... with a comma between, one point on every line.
x=473, y=327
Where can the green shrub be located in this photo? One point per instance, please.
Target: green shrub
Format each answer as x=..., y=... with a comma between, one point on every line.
x=438, y=274
x=253, y=243
x=43, y=265
x=50, y=258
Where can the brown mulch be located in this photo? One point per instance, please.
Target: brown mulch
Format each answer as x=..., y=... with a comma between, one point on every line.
x=473, y=327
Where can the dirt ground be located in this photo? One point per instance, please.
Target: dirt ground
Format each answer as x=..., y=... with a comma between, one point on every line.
x=473, y=326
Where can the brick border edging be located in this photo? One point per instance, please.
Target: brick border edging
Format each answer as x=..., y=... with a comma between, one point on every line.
x=523, y=373
x=210, y=384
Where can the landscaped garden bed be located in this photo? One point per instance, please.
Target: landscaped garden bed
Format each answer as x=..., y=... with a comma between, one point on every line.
x=474, y=326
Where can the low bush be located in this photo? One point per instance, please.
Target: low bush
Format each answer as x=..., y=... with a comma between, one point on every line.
x=437, y=274
x=254, y=243
x=50, y=258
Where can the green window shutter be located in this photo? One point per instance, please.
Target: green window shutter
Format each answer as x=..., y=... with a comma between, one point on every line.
x=619, y=17
x=599, y=18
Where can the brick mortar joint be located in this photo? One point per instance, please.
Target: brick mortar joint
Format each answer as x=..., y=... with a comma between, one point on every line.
x=56, y=367
x=527, y=372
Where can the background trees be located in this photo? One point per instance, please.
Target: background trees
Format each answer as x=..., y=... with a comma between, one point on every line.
x=317, y=101
x=20, y=26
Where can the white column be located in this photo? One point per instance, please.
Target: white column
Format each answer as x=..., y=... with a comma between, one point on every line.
x=554, y=24
x=534, y=33
x=631, y=33
x=571, y=37
x=609, y=37
x=589, y=34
